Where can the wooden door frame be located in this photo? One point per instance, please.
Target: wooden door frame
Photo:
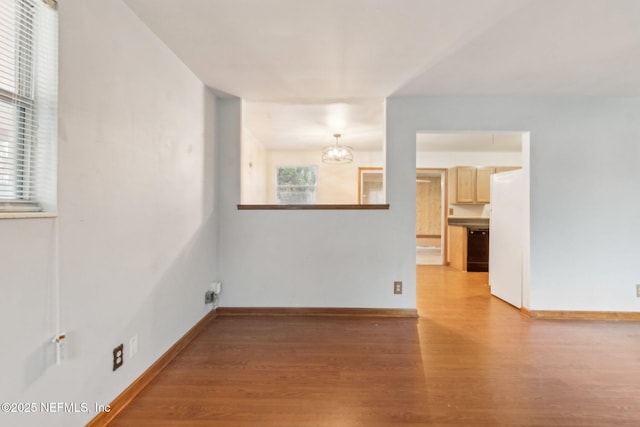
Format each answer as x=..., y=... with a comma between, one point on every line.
x=364, y=169
x=444, y=235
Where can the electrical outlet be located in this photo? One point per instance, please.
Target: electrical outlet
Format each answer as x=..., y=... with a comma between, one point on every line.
x=397, y=287
x=133, y=346
x=118, y=356
x=216, y=287
x=638, y=290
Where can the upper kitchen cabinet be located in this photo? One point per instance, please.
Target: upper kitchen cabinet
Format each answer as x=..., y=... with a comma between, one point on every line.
x=483, y=184
x=462, y=183
x=468, y=184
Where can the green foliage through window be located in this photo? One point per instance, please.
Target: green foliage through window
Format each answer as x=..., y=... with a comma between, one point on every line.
x=297, y=185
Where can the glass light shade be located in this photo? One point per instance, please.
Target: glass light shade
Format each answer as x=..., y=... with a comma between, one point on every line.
x=337, y=154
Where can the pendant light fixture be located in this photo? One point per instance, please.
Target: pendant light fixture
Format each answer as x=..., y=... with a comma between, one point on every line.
x=337, y=154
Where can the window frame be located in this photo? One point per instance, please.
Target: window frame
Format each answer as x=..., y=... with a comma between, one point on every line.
x=25, y=162
x=315, y=184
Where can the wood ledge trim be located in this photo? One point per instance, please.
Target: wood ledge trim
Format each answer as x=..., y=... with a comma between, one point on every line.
x=584, y=315
x=125, y=398
x=318, y=311
x=311, y=207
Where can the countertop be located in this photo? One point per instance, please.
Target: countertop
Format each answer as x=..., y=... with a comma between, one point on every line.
x=468, y=221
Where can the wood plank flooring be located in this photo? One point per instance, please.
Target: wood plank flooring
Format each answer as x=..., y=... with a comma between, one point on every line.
x=469, y=360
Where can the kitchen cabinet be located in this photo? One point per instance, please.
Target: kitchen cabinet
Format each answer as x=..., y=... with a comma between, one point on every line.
x=463, y=182
x=457, y=247
x=468, y=184
x=483, y=184
x=468, y=248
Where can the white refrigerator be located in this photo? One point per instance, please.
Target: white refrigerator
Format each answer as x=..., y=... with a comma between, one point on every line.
x=506, y=225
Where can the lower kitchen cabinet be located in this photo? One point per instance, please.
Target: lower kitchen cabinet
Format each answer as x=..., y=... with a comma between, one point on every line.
x=468, y=248
x=457, y=248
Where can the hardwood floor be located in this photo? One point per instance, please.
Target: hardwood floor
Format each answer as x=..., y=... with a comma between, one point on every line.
x=469, y=360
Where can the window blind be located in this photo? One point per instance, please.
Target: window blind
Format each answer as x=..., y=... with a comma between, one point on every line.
x=28, y=92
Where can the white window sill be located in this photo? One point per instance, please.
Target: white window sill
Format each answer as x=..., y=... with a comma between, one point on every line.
x=18, y=215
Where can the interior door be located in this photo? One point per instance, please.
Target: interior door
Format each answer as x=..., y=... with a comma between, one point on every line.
x=506, y=226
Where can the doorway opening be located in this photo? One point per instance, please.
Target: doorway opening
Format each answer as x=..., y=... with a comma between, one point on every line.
x=467, y=163
x=430, y=218
x=370, y=185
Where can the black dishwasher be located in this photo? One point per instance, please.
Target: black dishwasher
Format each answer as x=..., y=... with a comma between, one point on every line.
x=477, y=249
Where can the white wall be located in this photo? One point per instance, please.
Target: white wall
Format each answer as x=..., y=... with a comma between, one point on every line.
x=254, y=170
x=583, y=158
x=26, y=309
x=313, y=258
x=584, y=177
x=137, y=218
x=469, y=211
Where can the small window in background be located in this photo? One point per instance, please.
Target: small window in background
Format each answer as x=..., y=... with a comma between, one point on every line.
x=296, y=185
